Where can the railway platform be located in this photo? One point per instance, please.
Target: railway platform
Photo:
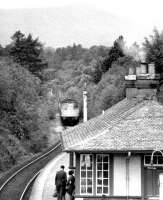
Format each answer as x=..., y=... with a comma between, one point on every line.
x=44, y=185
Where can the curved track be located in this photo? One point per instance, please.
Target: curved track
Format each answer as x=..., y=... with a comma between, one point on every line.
x=27, y=190
x=17, y=185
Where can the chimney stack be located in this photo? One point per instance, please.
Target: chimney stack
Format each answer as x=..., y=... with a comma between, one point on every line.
x=143, y=83
x=143, y=68
x=151, y=68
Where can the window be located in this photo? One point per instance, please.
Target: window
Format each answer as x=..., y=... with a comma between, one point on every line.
x=102, y=174
x=86, y=174
x=157, y=160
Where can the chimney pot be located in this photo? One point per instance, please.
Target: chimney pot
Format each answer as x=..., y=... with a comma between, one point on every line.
x=138, y=70
x=143, y=67
x=131, y=71
x=151, y=68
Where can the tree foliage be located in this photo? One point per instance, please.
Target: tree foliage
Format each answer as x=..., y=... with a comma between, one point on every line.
x=115, y=52
x=19, y=102
x=154, y=49
x=97, y=73
x=26, y=51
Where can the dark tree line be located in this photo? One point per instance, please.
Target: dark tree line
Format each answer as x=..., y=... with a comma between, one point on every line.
x=26, y=51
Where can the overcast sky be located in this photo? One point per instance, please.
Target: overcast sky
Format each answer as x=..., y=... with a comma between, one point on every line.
x=144, y=14
x=136, y=9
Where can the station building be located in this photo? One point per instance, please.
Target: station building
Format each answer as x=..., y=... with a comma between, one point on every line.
x=118, y=155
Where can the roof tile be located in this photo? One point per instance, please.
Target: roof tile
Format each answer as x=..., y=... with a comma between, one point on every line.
x=128, y=125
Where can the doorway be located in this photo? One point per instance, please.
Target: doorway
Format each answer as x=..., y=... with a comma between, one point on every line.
x=154, y=183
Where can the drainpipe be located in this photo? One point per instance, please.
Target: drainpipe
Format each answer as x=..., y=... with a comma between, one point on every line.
x=127, y=174
x=85, y=105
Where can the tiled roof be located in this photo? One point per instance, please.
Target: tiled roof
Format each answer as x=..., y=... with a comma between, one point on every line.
x=128, y=125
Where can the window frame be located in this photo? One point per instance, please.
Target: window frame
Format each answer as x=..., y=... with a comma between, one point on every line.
x=154, y=156
x=109, y=185
x=87, y=194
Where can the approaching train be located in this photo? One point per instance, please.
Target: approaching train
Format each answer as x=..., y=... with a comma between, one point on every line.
x=69, y=112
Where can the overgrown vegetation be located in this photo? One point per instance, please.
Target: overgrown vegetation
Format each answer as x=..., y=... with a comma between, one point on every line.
x=33, y=78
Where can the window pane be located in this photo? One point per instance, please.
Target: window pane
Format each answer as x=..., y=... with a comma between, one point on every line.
x=89, y=181
x=99, y=158
x=105, y=190
x=89, y=167
x=99, y=166
x=105, y=174
x=105, y=159
x=89, y=174
x=99, y=174
x=91, y=158
x=154, y=159
x=83, y=189
x=83, y=165
x=160, y=160
x=83, y=174
x=105, y=166
x=147, y=159
x=99, y=190
x=99, y=181
x=89, y=190
x=82, y=158
x=83, y=181
x=105, y=182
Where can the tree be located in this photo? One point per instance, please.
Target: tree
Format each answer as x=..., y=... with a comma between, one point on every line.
x=97, y=71
x=154, y=50
x=115, y=52
x=19, y=103
x=26, y=51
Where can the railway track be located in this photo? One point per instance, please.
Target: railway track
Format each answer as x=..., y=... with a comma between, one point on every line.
x=27, y=190
x=17, y=185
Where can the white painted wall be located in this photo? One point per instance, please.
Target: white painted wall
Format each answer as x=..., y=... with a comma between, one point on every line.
x=161, y=186
x=135, y=176
x=120, y=178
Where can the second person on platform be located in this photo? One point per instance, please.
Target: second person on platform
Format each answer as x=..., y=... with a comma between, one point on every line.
x=71, y=185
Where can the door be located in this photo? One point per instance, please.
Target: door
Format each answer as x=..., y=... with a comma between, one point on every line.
x=154, y=183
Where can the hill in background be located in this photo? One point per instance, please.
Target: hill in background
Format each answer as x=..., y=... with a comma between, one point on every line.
x=63, y=26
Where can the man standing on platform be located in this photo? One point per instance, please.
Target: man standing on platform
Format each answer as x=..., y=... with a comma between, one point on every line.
x=60, y=182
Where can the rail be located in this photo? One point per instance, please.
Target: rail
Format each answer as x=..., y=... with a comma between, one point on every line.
x=33, y=168
x=28, y=185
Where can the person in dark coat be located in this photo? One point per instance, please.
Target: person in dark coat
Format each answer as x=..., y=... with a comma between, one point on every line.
x=71, y=185
x=60, y=183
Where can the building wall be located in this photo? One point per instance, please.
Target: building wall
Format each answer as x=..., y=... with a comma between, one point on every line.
x=127, y=180
x=135, y=176
x=119, y=176
x=123, y=181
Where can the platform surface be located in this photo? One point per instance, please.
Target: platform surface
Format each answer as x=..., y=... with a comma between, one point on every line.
x=44, y=185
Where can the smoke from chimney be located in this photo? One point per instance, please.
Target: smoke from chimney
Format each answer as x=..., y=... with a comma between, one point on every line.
x=134, y=51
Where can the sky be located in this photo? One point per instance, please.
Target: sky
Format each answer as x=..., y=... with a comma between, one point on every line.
x=145, y=15
x=136, y=9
